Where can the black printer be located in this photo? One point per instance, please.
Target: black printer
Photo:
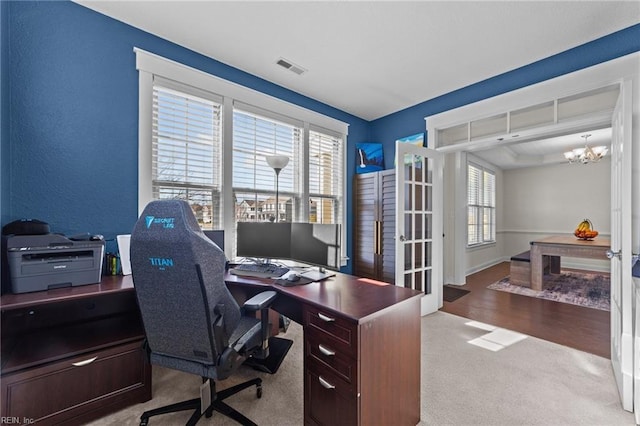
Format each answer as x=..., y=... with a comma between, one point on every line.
x=48, y=261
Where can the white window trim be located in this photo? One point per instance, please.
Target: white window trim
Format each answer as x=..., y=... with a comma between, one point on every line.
x=149, y=64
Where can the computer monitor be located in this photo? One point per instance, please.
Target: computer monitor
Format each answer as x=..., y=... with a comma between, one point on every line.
x=265, y=240
x=217, y=236
x=316, y=244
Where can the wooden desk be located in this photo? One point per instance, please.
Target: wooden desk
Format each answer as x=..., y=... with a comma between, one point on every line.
x=563, y=246
x=72, y=355
x=361, y=347
x=361, y=350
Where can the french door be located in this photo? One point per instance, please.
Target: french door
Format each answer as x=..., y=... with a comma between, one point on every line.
x=622, y=288
x=419, y=238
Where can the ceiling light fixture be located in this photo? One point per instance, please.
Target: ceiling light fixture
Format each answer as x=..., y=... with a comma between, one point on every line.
x=587, y=154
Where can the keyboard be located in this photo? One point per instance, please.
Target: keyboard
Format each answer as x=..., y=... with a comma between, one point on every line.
x=260, y=270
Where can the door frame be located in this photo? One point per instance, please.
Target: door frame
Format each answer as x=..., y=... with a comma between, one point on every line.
x=625, y=72
x=601, y=75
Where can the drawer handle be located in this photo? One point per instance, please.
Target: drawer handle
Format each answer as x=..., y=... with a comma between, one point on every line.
x=326, y=351
x=325, y=318
x=85, y=362
x=325, y=384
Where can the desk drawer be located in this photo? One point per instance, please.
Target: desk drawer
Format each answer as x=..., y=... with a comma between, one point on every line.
x=322, y=348
x=328, y=399
x=343, y=333
x=74, y=388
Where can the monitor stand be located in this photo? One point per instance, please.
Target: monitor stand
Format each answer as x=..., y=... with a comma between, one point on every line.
x=317, y=274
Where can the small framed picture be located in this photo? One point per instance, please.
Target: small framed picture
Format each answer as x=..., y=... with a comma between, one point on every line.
x=369, y=157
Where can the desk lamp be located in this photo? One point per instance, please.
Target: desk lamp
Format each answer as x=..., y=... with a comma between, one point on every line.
x=277, y=163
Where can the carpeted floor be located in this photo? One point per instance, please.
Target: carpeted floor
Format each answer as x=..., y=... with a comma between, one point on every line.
x=531, y=382
x=589, y=289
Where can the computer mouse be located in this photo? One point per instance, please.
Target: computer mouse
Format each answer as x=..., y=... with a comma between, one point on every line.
x=293, y=278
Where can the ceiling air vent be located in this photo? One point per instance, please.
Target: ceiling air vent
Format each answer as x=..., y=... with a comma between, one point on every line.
x=291, y=66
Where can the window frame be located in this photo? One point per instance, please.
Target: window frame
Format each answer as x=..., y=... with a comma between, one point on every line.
x=150, y=65
x=481, y=205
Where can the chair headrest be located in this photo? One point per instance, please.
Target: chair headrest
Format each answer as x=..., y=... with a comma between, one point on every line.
x=169, y=214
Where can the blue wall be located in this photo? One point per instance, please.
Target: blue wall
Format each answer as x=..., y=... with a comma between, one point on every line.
x=4, y=112
x=73, y=136
x=411, y=120
x=70, y=111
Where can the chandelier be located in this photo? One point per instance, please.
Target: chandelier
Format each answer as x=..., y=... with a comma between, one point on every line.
x=587, y=154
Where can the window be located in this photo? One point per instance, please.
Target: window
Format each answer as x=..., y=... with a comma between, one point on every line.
x=254, y=181
x=204, y=139
x=325, y=177
x=481, y=205
x=186, y=151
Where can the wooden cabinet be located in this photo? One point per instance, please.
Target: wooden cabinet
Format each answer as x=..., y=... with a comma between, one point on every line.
x=374, y=225
x=363, y=372
x=72, y=355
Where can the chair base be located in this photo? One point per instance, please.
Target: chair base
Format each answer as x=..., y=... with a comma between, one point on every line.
x=217, y=404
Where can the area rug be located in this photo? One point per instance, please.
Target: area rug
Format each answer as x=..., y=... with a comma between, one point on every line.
x=451, y=293
x=592, y=290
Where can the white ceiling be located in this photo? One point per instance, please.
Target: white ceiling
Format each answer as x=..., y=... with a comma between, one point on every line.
x=374, y=58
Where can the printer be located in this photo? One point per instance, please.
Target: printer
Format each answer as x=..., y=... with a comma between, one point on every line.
x=48, y=261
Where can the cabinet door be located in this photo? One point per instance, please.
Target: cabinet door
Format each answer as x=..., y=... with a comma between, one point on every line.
x=387, y=194
x=366, y=216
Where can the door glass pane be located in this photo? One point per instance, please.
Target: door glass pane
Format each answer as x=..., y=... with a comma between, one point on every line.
x=427, y=254
x=418, y=280
x=408, y=228
x=408, y=189
x=408, y=280
x=428, y=170
x=418, y=254
x=408, y=258
x=427, y=281
x=418, y=198
x=418, y=227
x=428, y=218
x=428, y=196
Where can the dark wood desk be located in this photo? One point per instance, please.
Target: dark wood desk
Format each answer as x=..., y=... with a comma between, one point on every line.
x=361, y=350
x=361, y=347
x=73, y=354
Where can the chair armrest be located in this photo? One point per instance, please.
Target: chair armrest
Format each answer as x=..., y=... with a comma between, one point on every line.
x=260, y=301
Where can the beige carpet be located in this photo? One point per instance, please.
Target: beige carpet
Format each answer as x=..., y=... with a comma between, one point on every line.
x=532, y=382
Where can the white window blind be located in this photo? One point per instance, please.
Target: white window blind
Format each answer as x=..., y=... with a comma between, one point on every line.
x=254, y=181
x=186, y=147
x=326, y=168
x=481, y=202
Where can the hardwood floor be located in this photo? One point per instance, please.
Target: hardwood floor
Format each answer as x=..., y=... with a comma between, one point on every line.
x=578, y=327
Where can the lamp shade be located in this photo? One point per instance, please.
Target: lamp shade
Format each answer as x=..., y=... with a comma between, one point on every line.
x=277, y=162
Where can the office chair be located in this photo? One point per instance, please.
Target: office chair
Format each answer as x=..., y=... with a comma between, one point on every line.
x=191, y=321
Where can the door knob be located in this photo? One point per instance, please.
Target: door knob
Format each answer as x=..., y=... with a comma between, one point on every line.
x=611, y=254
x=402, y=238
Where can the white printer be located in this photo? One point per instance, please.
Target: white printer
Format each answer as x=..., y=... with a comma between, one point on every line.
x=48, y=261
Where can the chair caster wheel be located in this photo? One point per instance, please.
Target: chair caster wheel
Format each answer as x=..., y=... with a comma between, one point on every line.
x=259, y=391
x=144, y=421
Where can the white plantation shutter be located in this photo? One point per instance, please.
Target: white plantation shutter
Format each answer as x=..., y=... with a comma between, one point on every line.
x=186, y=146
x=326, y=171
x=481, y=202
